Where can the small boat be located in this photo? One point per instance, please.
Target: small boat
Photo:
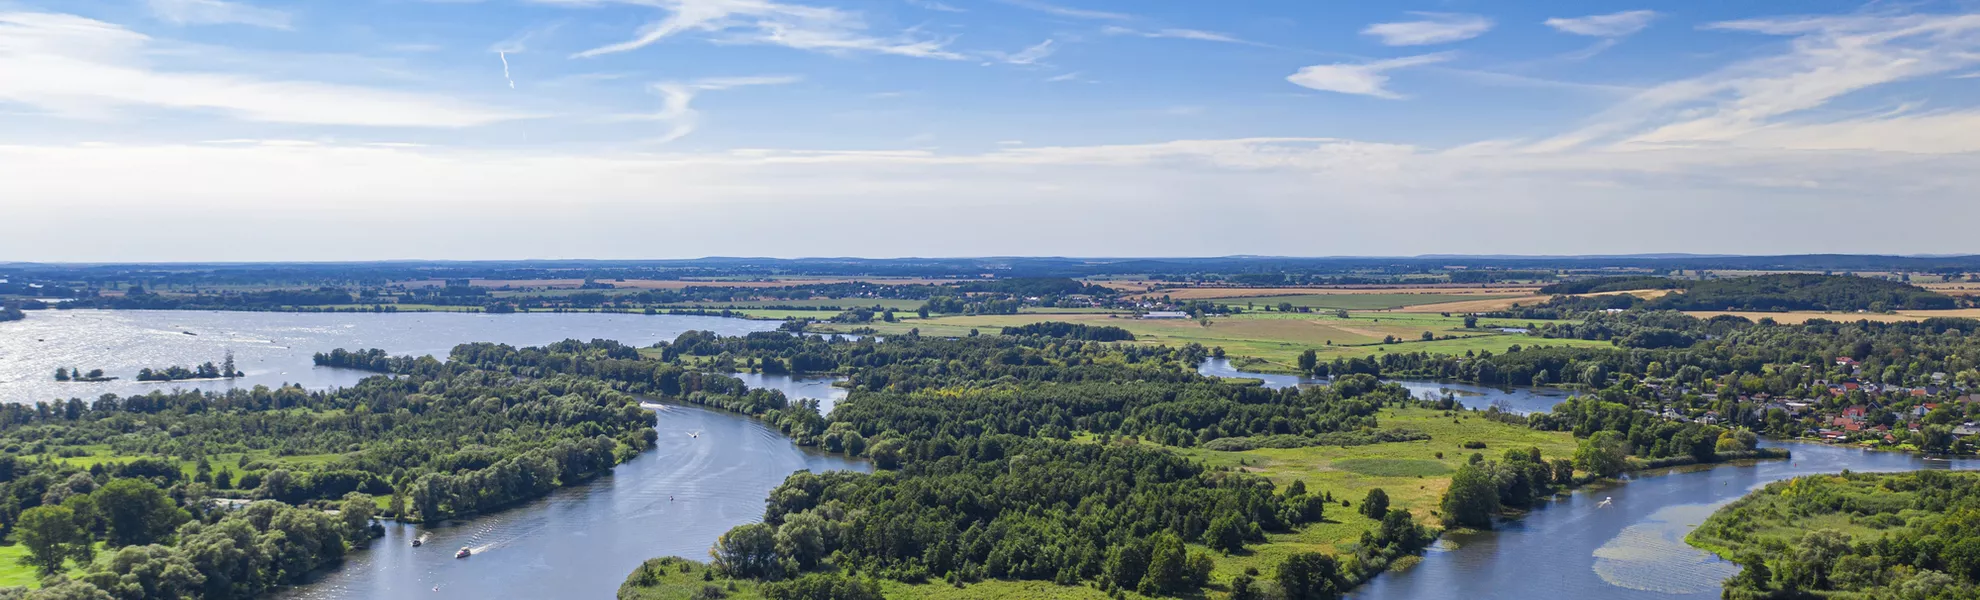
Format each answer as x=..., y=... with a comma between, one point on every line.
x=463, y=553
x=417, y=542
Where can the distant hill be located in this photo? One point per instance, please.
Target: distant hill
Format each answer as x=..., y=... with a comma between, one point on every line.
x=1783, y=292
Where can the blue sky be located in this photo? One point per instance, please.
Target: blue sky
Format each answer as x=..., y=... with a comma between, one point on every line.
x=265, y=129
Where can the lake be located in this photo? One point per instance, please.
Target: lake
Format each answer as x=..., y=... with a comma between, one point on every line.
x=276, y=348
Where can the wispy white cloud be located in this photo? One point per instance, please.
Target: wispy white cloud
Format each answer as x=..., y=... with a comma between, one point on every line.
x=1174, y=33
x=216, y=12
x=1067, y=11
x=1063, y=77
x=677, y=98
x=1766, y=101
x=1609, y=26
x=1027, y=56
x=811, y=28
x=77, y=67
x=1366, y=79
x=1433, y=28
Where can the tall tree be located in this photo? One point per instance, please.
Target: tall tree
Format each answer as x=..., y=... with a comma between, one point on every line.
x=52, y=536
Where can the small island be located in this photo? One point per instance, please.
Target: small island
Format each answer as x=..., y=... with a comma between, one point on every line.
x=206, y=370
x=77, y=375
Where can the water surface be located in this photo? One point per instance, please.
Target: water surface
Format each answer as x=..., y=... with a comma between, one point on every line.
x=1632, y=549
x=275, y=348
x=582, y=542
x=1521, y=400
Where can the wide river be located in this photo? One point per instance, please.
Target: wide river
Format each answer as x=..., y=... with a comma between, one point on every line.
x=580, y=542
x=1569, y=549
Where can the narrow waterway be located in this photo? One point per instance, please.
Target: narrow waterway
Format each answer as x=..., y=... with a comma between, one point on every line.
x=1632, y=549
x=1521, y=400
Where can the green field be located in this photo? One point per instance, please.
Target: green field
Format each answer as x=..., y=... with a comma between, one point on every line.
x=15, y=574
x=102, y=454
x=1410, y=472
x=1358, y=301
x=1277, y=338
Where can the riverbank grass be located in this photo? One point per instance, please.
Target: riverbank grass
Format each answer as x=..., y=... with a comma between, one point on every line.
x=1411, y=473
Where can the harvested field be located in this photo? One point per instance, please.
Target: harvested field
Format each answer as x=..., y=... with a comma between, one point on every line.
x=1475, y=306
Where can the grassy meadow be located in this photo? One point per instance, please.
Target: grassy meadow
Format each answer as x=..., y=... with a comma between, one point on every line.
x=1412, y=474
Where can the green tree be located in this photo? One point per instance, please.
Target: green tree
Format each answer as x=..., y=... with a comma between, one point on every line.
x=355, y=513
x=151, y=571
x=748, y=552
x=135, y=512
x=1605, y=454
x=1472, y=498
x=1309, y=576
x=1226, y=533
x=1308, y=359
x=1167, y=566
x=1376, y=505
x=51, y=536
x=1243, y=587
x=805, y=537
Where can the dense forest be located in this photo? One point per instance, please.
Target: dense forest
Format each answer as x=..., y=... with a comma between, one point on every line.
x=1794, y=291
x=1909, y=535
x=9, y=312
x=1618, y=283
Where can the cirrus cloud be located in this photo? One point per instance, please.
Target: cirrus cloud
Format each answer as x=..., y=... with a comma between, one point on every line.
x=78, y=67
x=1610, y=25
x=1366, y=79
x=1434, y=28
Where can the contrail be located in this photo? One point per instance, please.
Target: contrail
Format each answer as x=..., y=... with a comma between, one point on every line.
x=505, y=68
